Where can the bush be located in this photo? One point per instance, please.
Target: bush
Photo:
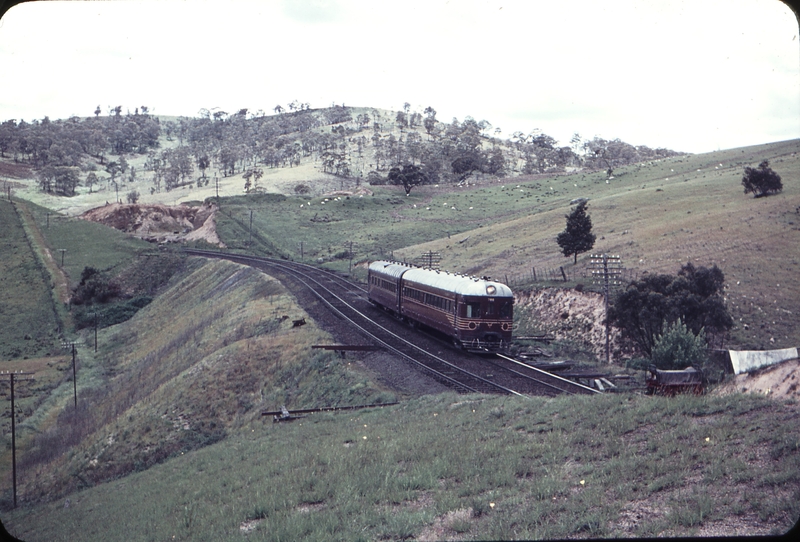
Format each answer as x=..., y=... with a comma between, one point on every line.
x=110, y=314
x=94, y=287
x=677, y=348
x=374, y=178
x=761, y=181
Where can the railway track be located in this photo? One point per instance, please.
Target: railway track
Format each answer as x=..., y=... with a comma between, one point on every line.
x=348, y=302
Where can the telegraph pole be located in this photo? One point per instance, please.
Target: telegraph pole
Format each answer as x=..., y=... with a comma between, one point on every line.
x=67, y=346
x=350, y=253
x=250, y=242
x=606, y=270
x=20, y=376
x=62, y=251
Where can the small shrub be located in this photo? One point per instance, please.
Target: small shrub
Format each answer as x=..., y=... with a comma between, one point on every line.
x=677, y=348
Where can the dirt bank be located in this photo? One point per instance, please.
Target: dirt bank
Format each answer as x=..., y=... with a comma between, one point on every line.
x=569, y=315
x=160, y=223
x=781, y=380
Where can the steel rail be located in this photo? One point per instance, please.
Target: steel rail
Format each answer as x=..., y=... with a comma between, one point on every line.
x=551, y=375
x=283, y=265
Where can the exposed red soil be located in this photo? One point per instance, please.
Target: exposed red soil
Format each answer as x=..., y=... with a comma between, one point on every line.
x=160, y=223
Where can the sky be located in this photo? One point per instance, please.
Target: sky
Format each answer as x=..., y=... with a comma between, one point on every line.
x=693, y=76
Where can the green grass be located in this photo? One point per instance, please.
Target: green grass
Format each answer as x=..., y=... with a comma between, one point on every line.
x=86, y=244
x=517, y=464
x=656, y=216
x=30, y=322
x=202, y=359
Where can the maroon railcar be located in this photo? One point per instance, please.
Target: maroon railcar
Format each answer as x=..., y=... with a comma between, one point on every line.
x=476, y=313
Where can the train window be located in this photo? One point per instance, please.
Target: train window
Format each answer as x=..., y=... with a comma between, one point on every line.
x=490, y=308
x=473, y=310
x=505, y=309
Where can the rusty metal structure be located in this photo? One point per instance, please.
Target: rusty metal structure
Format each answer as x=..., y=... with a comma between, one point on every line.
x=670, y=383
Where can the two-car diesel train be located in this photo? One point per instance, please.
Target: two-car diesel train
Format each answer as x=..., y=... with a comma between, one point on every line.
x=477, y=314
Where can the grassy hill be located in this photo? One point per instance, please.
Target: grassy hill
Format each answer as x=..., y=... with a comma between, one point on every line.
x=30, y=321
x=167, y=440
x=204, y=358
x=656, y=216
x=449, y=467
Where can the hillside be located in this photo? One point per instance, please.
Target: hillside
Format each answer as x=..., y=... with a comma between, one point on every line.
x=454, y=467
x=80, y=163
x=203, y=359
x=168, y=424
x=656, y=215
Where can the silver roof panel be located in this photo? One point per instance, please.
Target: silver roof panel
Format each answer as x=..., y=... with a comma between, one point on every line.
x=459, y=284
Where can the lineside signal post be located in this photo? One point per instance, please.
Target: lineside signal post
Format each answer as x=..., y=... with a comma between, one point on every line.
x=606, y=270
x=18, y=375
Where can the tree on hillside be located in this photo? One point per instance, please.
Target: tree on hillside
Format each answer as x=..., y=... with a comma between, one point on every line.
x=113, y=169
x=254, y=174
x=466, y=164
x=761, y=181
x=578, y=236
x=91, y=180
x=694, y=297
x=203, y=162
x=409, y=176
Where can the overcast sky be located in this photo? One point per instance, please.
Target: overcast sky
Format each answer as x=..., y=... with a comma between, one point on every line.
x=695, y=76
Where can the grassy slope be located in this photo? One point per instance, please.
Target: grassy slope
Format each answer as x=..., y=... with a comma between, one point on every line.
x=202, y=359
x=29, y=321
x=393, y=505
x=657, y=224
x=448, y=466
x=87, y=244
x=657, y=216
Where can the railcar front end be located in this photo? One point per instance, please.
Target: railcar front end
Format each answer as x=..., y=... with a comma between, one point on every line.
x=476, y=313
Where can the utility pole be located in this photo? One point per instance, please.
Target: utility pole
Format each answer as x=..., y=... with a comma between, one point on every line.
x=350, y=267
x=62, y=251
x=67, y=345
x=20, y=376
x=250, y=242
x=606, y=270
x=95, y=331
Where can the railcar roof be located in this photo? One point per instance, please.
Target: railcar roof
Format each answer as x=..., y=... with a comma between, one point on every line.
x=393, y=269
x=459, y=284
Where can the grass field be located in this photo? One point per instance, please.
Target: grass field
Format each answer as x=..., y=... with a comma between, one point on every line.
x=30, y=322
x=202, y=359
x=167, y=441
x=656, y=216
x=85, y=244
x=463, y=467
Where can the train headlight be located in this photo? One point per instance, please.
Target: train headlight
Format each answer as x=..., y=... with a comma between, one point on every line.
x=491, y=289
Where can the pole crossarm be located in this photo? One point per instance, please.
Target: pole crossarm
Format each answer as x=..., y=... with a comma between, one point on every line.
x=606, y=270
